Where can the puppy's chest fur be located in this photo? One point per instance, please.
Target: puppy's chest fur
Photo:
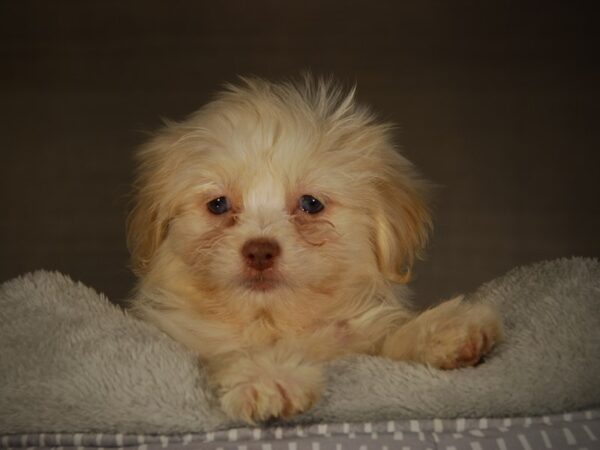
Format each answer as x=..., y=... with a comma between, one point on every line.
x=262, y=325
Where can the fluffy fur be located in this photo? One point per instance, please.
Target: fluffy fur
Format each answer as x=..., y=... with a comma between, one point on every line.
x=327, y=288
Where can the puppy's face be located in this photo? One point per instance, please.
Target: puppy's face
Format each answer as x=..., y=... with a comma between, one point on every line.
x=276, y=188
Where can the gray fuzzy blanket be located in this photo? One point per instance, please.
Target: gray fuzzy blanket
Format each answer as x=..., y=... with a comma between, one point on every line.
x=72, y=362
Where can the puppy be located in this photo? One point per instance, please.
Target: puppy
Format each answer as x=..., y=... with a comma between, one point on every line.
x=268, y=232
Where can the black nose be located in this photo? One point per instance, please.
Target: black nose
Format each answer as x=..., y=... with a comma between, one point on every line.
x=260, y=254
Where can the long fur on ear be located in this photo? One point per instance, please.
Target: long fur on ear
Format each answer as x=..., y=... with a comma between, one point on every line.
x=402, y=220
x=148, y=220
x=145, y=231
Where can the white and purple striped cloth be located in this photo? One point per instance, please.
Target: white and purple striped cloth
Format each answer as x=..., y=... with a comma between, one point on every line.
x=579, y=430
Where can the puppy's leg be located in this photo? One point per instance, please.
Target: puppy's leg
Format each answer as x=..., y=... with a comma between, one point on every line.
x=451, y=335
x=270, y=383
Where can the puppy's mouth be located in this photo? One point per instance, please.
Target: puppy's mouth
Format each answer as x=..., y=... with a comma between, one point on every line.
x=261, y=281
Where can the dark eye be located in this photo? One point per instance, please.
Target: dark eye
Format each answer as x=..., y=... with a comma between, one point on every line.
x=310, y=205
x=219, y=205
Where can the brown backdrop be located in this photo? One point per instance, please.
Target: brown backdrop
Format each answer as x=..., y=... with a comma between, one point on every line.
x=497, y=103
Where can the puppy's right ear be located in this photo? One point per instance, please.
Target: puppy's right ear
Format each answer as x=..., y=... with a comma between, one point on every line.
x=147, y=223
x=145, y=231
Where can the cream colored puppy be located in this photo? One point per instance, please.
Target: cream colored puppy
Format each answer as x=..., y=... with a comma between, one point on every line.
x=268, y=231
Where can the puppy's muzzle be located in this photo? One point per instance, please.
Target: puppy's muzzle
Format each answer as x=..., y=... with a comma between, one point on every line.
x=260, y=254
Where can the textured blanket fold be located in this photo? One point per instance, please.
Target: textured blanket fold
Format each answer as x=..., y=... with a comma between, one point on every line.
x=72, y=362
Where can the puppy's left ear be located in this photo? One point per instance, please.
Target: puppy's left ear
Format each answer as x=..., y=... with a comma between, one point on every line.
x=402, y=220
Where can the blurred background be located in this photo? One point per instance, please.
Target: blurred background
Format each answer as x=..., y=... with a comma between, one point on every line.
x=496, y=102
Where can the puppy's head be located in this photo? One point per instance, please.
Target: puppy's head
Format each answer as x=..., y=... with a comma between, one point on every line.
x=277, y=186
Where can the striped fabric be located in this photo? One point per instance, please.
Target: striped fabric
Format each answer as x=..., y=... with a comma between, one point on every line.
x=580, y=430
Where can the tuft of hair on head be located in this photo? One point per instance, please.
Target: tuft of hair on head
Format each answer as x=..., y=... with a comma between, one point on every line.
x=317, y=96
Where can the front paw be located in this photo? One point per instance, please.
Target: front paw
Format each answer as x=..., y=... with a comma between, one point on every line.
x=468, y=349
x=260, y=400
x=463, y=342
x=255, y=392
x=451, y=335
